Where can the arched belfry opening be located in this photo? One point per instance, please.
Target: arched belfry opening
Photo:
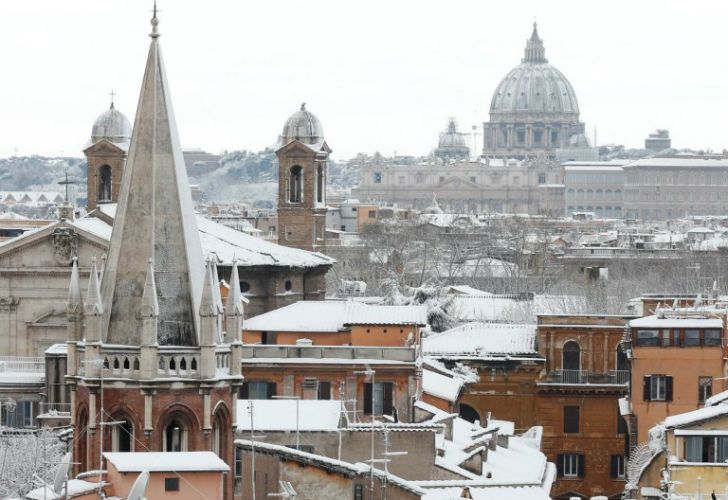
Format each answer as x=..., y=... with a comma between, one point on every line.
x=295, y=184
x=104, y=190
x=320, y=184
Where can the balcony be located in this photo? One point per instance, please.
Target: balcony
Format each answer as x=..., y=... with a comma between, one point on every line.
x=327, y=354
x=584, y=377
x=55, y=409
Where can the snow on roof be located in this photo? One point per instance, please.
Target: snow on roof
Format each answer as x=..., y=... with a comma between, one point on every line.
x=487, y=493
x=228, y=243
x=696, y=416
x=483, y=307
x=467, y=290
x=280, y=415
x=159, y=461
x=482, y=338
x=333, y=316
x=656, y=322
x=678, y=162
x=357, y=468
x=57, y=349
x=76, y=487
x=717, y=399
x=441, y=386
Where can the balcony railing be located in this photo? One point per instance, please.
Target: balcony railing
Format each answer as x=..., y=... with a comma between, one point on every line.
x=403, y=354
x=22, y=364
x=584, y=377
x=61, y=409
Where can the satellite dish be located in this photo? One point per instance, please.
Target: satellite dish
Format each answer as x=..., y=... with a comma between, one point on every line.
x=62, y=473
x=137, y=489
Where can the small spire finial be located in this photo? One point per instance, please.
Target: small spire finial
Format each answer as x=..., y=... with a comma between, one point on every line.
x=112, y=94
x=303, y=106
x=155, y=22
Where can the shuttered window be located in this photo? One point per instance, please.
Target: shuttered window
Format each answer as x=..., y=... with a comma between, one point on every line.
x=379, y=398
x=571, y=419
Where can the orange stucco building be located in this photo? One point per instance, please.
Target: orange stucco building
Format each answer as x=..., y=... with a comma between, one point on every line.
x=677, y=363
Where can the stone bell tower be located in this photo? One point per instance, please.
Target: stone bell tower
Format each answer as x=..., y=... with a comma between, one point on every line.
x=106, y=154
x=302, y=157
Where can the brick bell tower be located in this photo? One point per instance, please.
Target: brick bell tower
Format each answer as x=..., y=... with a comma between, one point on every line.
x=153, y=356
x=302, y=157
x=105, y=155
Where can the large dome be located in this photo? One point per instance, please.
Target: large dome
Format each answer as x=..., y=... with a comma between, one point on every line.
x=303, y=126
x=534, y=87
x=111, y=125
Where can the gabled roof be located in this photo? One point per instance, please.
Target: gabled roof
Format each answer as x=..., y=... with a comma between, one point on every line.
x=334, y=316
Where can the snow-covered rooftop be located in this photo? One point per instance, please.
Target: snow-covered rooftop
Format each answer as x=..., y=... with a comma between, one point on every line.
x=280, y=415
x=477, y=339
x=679, y=322
x=73, y=488
x=695, y=416
x=334, y=316
x=441, y=386
x=158, y=461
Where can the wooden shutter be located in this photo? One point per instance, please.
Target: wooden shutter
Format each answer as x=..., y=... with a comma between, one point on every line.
x=367, y=398
x=668, y=388
x=560, y=465
x=244, y=391
x=388, y=396
x=271, y=390
x=646, y=387
x=614, y=466
x=581, y=465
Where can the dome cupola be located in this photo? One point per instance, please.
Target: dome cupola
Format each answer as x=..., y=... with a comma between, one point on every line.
x=111, y=125
x=303, y=126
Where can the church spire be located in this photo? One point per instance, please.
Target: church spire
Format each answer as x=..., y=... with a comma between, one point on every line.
x=93, y=294
x=234, y=307
x=75, y=303
x=535, y=51
x=155, y=219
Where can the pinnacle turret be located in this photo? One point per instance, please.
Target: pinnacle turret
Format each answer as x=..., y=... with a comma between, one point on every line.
x=94, y=305
x=75, y=303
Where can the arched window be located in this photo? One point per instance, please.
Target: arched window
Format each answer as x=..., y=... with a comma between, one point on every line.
x=104, y=192
x=571, y=356
x=175, y=436
x=122, y=435
x=468, y=413
x=80, y=452
x=320, y=184
x=295, y=184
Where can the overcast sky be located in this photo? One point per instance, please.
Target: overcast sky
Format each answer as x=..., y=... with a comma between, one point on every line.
x=380, y=74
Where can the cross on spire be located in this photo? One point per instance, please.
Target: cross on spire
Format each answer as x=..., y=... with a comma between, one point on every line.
x=154, y=21
x=112, y=94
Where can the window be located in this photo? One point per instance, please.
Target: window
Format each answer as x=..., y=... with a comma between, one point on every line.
x=16, y=414
x=288, y=285
x=175, y=437
x=104, y=193
x=473, y=179
x=122, y=436
x=238, y=463
x=692, y=338
x=378, y=398
x=268, y=338
x=571, y=419
x=244, y=286
x=617, y=467
x=665, y=338
x=171, y=484
x=705, y=388
x=571, y=356
x=324, y=390
x=295, y=184
x=712, y=338
x=377, y=177
x=542, y=178
x=621, y=423
x=372, y=214
x=570, y=465
x=358, y=492
x=648, y=338
x=657, y=388
x=442, y=179
x=706, y=449
x=258, y=389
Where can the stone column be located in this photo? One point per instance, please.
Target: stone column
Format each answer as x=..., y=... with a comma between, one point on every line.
x=148, y=427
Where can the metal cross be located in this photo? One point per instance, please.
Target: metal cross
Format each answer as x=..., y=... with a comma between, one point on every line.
x=112, y=94
x=66, y=182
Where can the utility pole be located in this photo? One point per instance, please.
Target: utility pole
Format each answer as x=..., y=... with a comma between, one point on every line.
x=370, y=375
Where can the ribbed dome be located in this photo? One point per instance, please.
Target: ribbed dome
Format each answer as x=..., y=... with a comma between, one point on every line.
x=303, y=126
x=534, y=86
x=111, y=125
x=451, y=138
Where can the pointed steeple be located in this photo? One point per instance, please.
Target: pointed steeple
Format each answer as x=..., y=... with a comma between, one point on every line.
x=535, y=51
x=94, y=305
x=75, y=303
x=154, y=219
x=234, y=307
